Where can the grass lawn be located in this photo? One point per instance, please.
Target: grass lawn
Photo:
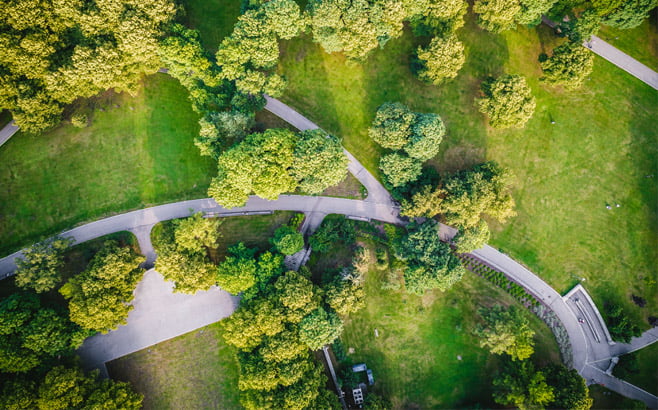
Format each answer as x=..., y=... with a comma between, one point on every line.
x=415, y=357
x=641, y=42
x=601, y=149
x=194, y=371
x=132, y=156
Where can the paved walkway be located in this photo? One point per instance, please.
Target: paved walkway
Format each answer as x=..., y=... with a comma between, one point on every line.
x=618, y=58
x=7, y=132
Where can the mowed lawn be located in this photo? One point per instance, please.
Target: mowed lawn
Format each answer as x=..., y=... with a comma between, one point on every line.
x=601, y=150
x=197, y=370
x=138, y=151
x=416, y=357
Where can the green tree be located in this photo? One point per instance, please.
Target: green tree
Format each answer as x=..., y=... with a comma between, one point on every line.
x=426, y=135
x=570, y=389
x=355, y=27
x=19, y=393
x=319, y=161
x=470, y=239
x=624, y=14
x=437, y=17
x=54, y=53
x=441, y=60
x=569, y=65
x=532, y=10
x=196, y=233
x=582, y=28
x=506, y=331
x=496, y=15
x=282, y=347
x=297, y=294
x=31, y=333
x=507, y=101
x=519, y=385
x=99, y=298
x=345, y=296
x=470, y=194
x=320, y=328
x=430, y=262
x=287, y=240
x=219, y=128
x=40, y=267
x=620, y=326
x=424, y=203
x=399, y=169
x=190, y=272
x=237, y=272
x=391, y=127
x=332, y=230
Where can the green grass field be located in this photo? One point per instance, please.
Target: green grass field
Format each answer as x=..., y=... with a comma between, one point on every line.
x=133, y=156
x=194, y=371
x=601, y=150
x=415, y=357
x=641, y=42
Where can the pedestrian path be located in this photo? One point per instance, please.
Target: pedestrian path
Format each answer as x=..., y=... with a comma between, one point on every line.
x=8, y=131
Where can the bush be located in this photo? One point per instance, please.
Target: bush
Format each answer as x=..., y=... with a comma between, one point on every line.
x=287, y=240
x=79, y=120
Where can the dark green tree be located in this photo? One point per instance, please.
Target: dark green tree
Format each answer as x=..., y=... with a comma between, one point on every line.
x=521, y=386
x=570, y=389
x=287, y=240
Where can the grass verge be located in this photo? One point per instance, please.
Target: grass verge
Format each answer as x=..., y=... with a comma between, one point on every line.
x=194, y=371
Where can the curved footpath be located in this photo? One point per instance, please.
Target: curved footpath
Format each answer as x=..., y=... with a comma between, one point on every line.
x=160, y=314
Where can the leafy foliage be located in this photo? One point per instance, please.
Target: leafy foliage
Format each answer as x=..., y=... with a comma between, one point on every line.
x=506, y=331
x=430, y=262
x=190, y=272
x=332, y=230
x=569, y=65
x=570, y=389
x=496, y=15
x=237, y=272
x=218, y=128
x=441, y=17
x=287, y=240
x=31, y=333
x=470, y=239
x=345, y=295
x=521, y=386
x=56, y=52
x=40, y=267
x=275, y=162
x=320, y=328
x=196, y=233
x=399, y=169
x=391, y=127
x=624, y=14
x=508, y=101
x=441, y=60
x=620, y=326
x=99, y=298
x=532, y=10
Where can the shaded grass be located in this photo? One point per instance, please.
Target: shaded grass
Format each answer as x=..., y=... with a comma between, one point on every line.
x=5, y=117
x=415, y=358
x=646, y=376
x=197, y=370
x=601, y=149
x=213, y=18
x=137, y=155
x=606, y=399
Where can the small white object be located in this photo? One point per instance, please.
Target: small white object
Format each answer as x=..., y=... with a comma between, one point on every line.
x=459, y=357
x=376, y=333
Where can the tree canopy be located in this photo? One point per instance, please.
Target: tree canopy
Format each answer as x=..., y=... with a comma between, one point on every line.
x=237, y=272
x=196, y=233
x=40, y=267
x=507, y=101
x=99, y=298
x=521, y=386
x=190, y=272
x=320, y=328
x=287, y=240
x=430, y=263
x=56, y=52
x=506, y=331
x=496, y=15
x=277, y=161
x=569, y=65
x=441, y=60
x=624, y=14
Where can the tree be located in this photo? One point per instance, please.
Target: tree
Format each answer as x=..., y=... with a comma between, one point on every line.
x=399, y=169
x=620, y=326
x=99, y=298
x=195, y=233
x=437, y=17
x=519, y=385
x=220, y=128
x=237, y=272
x=508, y=101
x=569, y=65
x=391, y=127
x=470, y=239
x=430, y=262
x=582, y=28
x=287, y=240
x=54, y=53
x=297, y=294
x=624, y=14
x=345, y=296
x=470, y=194
x=506, y=331
x=532, y=10
x=190, y=272
x=40, y=267
x=426, y=135
x=441, y=60
x=570, y=389
x=355, y=27
x=282, y=347
x=31, y=333
x=424, y=203
x=320, y=328
x=496, y=15
x=332, y=230
x=319, y=161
